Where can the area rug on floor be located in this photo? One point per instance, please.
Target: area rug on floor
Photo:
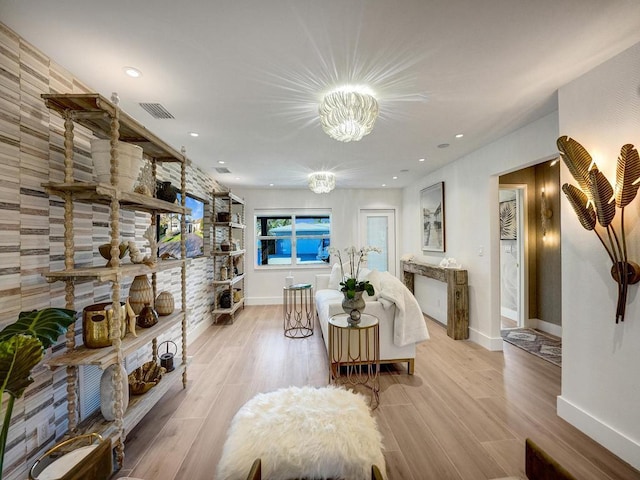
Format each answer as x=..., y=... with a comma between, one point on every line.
x=303, y=432
x=535, y=342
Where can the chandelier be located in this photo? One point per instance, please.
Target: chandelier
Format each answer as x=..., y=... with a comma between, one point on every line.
x=348, y=114
x=322, y=182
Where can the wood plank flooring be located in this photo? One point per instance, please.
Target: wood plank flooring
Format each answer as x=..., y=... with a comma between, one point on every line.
x=465, y=413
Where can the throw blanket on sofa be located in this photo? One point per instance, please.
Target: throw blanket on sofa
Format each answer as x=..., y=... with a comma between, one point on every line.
x=409, y=325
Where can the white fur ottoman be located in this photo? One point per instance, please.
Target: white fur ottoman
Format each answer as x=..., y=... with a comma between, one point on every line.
x=303, y=432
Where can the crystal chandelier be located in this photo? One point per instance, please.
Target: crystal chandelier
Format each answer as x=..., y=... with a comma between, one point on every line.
x=348, y=114
x=322, y=182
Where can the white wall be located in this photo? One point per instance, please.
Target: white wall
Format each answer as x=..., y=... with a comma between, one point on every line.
x=471, y=218
x=600, y=380
x=265, y=286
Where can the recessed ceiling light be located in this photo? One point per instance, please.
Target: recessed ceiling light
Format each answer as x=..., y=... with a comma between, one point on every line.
x=395, y=177
x=421, y=160
x=194, y=134
x=443, y=145
x=221, y=162
x=460, y=135
x=271, y=184
x=132, y=72
x=383, y=185
x=237, y=178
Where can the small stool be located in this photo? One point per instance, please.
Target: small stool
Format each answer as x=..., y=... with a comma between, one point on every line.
x=298, y=311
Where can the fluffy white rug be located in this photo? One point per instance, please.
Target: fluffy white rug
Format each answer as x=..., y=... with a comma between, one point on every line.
x=303, y=432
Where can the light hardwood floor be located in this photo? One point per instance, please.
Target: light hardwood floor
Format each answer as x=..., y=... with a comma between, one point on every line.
x=465, y=413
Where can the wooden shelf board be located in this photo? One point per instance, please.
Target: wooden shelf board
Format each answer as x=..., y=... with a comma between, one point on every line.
x=234, y=198
x=229, y=311
x=103, y=357
x=139, y=406
x=94, y=112
x=229, y=225
x=105, y=274
x=232, y=281
x=233, y=253
x=102, y=193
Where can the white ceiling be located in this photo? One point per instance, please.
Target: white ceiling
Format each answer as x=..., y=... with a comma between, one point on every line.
x=248, y=75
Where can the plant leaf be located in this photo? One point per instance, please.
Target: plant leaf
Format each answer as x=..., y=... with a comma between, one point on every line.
x=602, y=196
x=18, y=355
x=579, y=201
x=627, y=172
x=46, y=325
x=577, y=160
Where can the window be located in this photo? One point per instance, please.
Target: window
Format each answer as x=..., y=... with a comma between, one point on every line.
x=286, y=238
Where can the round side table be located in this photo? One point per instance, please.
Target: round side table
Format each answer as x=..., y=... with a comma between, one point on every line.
x=298, y=310
x=354, y=353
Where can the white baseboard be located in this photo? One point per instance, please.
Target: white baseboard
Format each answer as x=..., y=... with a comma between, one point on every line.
x=621, y=445
x=493, y=344
x=192, y=335
x=547, y=327
x=263, y=300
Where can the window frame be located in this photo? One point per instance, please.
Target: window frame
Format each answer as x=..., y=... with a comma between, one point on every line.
x=294, y=238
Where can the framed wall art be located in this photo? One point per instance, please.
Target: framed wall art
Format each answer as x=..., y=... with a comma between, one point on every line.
x=432, y=218
x=508, y=220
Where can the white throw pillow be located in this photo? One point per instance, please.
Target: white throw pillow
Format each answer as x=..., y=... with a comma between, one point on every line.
x=335, y=278
x=373, y=276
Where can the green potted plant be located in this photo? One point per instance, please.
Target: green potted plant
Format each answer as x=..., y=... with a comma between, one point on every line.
x=22, y=347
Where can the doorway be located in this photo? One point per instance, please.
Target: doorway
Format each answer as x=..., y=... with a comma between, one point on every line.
x=378, y=229
x=534, y=250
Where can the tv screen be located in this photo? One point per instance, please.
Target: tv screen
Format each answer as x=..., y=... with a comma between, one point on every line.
x=168, y=226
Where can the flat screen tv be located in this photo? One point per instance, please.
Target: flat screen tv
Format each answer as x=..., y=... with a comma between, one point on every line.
x=168, y=227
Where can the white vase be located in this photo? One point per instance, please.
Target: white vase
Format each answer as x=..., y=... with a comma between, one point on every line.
x=129, y=162
x=108, y=394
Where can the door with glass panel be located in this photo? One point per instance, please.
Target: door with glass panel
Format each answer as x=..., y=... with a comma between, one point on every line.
x=378, y=229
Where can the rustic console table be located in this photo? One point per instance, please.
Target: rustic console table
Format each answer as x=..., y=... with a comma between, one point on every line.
x=457, y=293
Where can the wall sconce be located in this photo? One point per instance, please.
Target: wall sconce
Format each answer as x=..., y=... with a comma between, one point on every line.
x=597, y=200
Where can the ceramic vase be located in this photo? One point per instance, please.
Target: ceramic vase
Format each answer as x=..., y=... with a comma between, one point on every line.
x=140, y=293
x=108, y=393
x=165, y=191
x=165, y=304
x=354, y=307
x=129, y=162
x=147, y=317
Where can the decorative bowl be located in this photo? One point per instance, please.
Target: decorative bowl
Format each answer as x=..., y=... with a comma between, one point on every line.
x=144, y=378
x=105, y=251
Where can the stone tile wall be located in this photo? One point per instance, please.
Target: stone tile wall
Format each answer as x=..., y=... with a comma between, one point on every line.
x=31, y=242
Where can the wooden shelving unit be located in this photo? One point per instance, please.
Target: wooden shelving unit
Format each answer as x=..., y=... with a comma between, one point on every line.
x=105, y=119
x=232, y=230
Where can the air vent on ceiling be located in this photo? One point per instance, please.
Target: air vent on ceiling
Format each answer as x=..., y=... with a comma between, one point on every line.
x=156, y=110
x=223, y=170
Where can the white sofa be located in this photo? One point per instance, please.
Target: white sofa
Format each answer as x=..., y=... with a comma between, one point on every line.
x=393, y=347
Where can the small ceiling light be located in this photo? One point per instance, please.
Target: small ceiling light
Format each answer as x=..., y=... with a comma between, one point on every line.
x=421, y=160
x=271, y=184
x=322, y=182
x=460, y=135
x=194, y=134
x=132, y=72
x=395, y=177
x=221, y=162
x=348, y=113
x=383, y=185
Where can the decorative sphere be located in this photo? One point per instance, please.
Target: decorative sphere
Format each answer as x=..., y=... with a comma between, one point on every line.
x=164, y=303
